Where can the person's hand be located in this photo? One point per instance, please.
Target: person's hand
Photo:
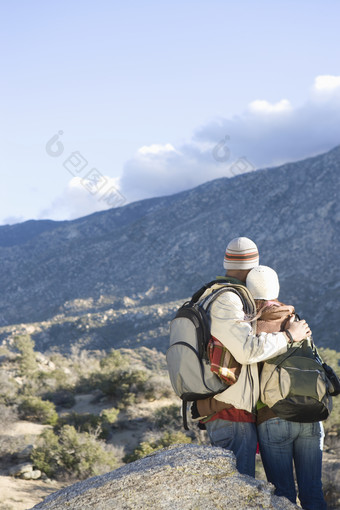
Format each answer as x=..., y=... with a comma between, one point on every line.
x=299, y=330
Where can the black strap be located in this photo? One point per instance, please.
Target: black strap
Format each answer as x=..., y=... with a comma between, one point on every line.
x=293, y=348
x=200, y=292
x=184, y=414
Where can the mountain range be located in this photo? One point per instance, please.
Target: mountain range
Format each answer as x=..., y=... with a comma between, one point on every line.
x=115, y=278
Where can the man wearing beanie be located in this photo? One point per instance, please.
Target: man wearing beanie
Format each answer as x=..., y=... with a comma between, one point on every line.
x=229, y=417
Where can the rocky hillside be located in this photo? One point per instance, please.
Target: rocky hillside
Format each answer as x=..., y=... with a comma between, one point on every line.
x=101, y=273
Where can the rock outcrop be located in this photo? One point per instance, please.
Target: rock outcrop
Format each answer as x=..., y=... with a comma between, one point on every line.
x=181, y=477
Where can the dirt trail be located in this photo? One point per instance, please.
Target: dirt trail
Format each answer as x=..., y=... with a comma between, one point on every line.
x=23, y=428
x=17, y=494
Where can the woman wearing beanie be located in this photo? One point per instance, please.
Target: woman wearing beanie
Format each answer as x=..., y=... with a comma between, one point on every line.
x=283, y=442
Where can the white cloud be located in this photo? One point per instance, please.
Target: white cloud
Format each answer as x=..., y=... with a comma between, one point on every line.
x=85, y=196
x=151, y=174
x=156, y=149
x=12, y=220
x=265, y=134
x=327, y=83
x=261, y=106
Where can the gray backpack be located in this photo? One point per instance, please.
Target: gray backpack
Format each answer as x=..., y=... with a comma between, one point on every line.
x=187, y=358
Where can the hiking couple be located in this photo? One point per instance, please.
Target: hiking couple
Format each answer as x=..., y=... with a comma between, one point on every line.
x=230, y=417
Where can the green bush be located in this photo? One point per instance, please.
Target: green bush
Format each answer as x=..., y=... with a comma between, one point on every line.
x=91, y=423
x=114, y=360
x=9, y=388
x=158, y=386
x=147, y=447
x=168, y=417
x=109, y=416
x=71, y=454
x=126, y=386
x=46, y=456
x=27, y=357
x=86, y=422
x=37, y=410
x=62, y=397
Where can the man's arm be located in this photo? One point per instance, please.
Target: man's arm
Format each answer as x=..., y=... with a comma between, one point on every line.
x=237, y=335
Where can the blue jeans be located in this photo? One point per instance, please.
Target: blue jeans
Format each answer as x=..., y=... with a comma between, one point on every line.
x=283, y=443
x=240, y=438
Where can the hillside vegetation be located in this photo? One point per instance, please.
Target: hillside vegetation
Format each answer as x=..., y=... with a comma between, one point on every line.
x=117, y=385
x=99, y=410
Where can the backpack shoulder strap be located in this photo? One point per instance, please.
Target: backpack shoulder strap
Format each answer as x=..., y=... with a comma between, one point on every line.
x=195, y=297
x=217, y=288
x=293, y=348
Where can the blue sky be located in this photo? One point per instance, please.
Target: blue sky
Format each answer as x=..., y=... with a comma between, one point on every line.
x=154, y=97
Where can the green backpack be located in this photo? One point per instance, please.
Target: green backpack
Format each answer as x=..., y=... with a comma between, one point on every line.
x=295, y=384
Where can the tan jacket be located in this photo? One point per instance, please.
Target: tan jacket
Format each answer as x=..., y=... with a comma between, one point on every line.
x=238, y=336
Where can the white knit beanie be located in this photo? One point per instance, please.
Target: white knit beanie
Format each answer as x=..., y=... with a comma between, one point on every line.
x=241, y=253
x=263, y=283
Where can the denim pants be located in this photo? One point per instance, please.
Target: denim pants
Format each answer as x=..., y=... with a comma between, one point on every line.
x=283, y=443
x=240, y=438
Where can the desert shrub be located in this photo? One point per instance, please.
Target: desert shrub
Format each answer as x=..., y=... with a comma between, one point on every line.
x=147, y=447
x=46, y=455
x=168, y=417
x=331, y=357
x=67, y=370
x=124, y=385
x=83, y=362
x=109, y=416
x=85, y=422
x=26, y=357
x=62, y=397
x=37, y=410
x=151, y=359
x=9, y=388
x=123, y=382
x=156, y=387
x=126, y=400
x=113, y=360
x=54, y=380
x=91, y=423
x=72, y=454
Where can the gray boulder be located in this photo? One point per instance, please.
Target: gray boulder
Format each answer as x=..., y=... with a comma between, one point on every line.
x=181, y=477
x=20, y=469
x=31, y=475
